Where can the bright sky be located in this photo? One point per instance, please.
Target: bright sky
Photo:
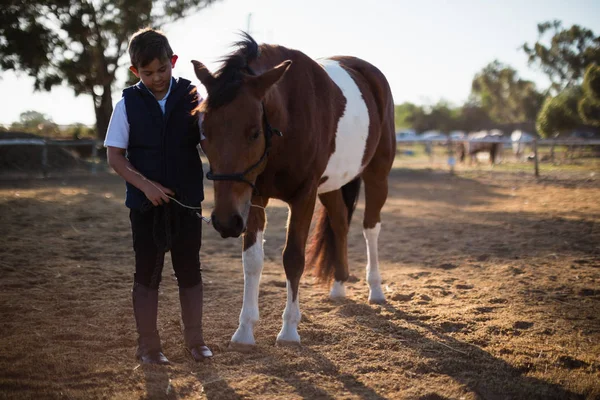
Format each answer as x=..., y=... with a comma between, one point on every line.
x=428, y=49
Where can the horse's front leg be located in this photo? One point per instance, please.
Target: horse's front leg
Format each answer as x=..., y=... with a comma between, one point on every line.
x=253, y=260
x=293, y=262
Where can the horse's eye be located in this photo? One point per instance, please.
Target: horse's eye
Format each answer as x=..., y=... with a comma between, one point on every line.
x=255, y=135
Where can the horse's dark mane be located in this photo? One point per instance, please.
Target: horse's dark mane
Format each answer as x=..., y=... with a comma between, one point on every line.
x=229, y=77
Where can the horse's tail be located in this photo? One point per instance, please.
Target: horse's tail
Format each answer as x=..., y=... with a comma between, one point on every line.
x=322, y=253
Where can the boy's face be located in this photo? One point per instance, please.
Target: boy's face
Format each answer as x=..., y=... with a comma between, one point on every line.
x=156, y=76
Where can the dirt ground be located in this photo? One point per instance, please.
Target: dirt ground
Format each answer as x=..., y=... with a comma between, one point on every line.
x=492, y=281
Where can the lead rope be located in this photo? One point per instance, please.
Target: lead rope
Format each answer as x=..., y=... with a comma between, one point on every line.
x=203, y=218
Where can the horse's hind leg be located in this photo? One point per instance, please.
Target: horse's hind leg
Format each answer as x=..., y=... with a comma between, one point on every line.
x=376, y=191
x=253, y=259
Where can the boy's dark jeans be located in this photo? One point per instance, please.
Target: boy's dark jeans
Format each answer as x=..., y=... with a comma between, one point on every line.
x=185, y=242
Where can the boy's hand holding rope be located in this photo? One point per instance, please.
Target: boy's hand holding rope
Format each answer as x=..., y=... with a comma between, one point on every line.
x=203, y=218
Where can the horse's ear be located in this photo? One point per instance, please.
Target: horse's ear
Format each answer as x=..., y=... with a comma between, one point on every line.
x=203, y=74
x=262, y=83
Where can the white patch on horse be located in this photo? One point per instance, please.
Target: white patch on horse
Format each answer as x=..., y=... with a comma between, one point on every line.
x=373, y=277
x=352, y=131
x=520, y=140
x=338, y=291
x=291, y=318
x=253, y=259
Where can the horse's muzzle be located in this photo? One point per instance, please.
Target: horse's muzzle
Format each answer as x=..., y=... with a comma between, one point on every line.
x=229, y=227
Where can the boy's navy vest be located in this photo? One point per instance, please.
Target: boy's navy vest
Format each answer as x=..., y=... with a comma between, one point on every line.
x=163, y=147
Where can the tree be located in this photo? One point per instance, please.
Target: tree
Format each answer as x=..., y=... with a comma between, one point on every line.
x=473, y=117
x=441, y=116
x=589, y=105
x=78, y=131
x=79, y=42
x=503, y=95
x=35, y=122
x=559, y=113
x=566, y=56
x=403, y=113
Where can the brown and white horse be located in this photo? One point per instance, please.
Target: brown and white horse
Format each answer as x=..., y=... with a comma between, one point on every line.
x=477, y=143
x=280, y=125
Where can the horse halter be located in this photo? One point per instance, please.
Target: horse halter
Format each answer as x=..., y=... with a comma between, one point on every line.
x=269, y=131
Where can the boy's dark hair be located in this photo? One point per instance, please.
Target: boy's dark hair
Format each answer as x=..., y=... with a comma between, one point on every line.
x=146, y=45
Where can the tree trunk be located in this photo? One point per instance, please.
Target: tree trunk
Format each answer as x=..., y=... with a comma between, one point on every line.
x=103, y=107
x=556, y=135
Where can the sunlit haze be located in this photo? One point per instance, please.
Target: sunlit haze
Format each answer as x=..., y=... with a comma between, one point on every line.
x=429, y=50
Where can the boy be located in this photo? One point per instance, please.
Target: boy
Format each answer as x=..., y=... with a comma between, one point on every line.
x=151, y=142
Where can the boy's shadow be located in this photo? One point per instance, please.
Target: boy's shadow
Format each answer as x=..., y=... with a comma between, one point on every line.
x=158, y=383
x=218, y=388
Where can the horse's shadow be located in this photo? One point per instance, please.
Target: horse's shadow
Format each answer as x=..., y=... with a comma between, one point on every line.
x=473, y=367
x=215, y=386
x=281, y=369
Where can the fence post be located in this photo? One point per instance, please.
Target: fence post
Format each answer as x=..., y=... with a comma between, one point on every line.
x=94, y=158
x=536, y=158
x=429, y=148
x=451, y=159
x=45, y=159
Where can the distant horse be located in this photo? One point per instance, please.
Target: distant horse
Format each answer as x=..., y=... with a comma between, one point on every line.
x=280, y=125
x=520, y=141
x=472, y=146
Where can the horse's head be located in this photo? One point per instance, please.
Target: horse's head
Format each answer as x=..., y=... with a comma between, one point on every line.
x=238, y=138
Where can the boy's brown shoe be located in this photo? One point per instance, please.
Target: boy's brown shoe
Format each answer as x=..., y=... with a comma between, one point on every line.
x=200, y=353
x=152, y=357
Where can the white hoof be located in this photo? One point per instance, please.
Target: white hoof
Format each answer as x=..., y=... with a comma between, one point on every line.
x=338, y=290
x=241, y=348
x=288, y=336
x=376, y=296
x=243, y=336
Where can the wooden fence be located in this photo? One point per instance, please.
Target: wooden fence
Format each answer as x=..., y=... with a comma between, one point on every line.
x=46, y=143
x=535, y=144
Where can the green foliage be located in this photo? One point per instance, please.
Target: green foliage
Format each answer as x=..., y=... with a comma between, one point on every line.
x=41, y=124
x=403, y=113
x=78, y=131
x=589, y=105
x=559, y=113
x=35, y=122
x=503, y=95
x=566, y=55
x=79, y=42
x=591, y=82
x=473, y=118
x=589, y=111
x=441, y=116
